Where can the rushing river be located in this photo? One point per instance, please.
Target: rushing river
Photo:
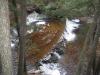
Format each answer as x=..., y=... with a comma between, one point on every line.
x=34, y=21
x=68, y=34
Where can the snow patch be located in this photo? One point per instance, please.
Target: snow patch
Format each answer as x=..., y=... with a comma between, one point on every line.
x=76, y=20
x=32, y=18
x=57, y=55
x=29, y=31
x=71, y=25
x=51, y=69
x=12, y=45
x=41, y=22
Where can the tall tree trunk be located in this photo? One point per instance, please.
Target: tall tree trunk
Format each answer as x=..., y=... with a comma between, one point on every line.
x=21, y=27
x=88, y=54
x=5, y=49
x=97, y=36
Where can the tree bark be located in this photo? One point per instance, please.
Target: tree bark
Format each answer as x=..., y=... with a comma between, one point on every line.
x=5, y=49
x=88, y=54
x=21, y=27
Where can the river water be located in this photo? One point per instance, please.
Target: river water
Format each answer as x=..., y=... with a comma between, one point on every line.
x=68, y=35
x=67, y=57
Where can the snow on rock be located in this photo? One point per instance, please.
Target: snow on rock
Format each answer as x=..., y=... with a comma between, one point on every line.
x=29, y=31
x=41, y=22
x=34, y=18
x=14, y=37
x=12, y=45
x=51, y=69
x=47, y=57
x=69, y=37
x=76, y=20
x=57, y=55
x=71, y=25
x=33, y=71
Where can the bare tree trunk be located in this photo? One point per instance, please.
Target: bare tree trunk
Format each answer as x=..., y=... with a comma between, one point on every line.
x=21, y=27
x=87, y=58
x=5, y=49
x=83, y=59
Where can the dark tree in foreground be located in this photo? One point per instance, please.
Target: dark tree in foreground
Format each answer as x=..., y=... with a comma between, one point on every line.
x=21, y=27
x=87, y=60
x=19, y=11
